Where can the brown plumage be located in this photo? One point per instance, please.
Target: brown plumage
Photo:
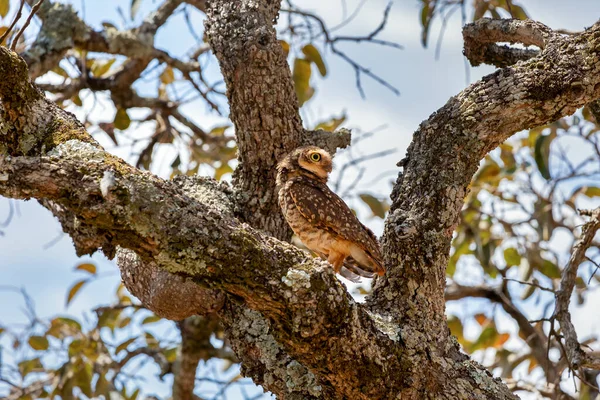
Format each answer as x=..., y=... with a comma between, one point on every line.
x=321, y=219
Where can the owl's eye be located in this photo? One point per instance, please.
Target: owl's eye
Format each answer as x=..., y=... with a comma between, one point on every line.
x=316, y=157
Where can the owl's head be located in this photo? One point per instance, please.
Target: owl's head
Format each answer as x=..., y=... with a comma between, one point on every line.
x=308, y=160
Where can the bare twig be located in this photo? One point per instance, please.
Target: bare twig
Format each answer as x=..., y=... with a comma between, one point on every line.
x=34, y=9
x=573, y=351
x=14, y=22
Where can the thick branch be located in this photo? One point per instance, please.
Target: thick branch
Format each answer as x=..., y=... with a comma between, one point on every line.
x=445, y=153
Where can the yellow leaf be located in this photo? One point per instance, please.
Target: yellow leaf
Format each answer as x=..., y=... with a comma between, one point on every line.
x=313, y=55
x=74, y=289
x=100, y=67
x=150, y=319
x=124, y=345
x=167, y=76
x=91, y=268
x=301, y=76
x=122, y=120
x=3, y=30
x=285, y=46
x=38, y=342
x=4, y=7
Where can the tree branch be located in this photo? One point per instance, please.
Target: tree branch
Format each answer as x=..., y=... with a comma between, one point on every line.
x=575, y=355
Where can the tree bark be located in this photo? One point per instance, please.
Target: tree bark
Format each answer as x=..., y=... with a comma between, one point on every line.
x=294, y=327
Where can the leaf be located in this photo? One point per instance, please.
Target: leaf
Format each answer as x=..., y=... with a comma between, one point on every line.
x=101, y=66
x=122, y=119
x=38, y=342
x=481, y=319
x=301, y=76
x=27, y=366
x=332, y=124
x=124, y=345
x=285, y=46
x=512, y=257
x=83, y=378
x=4, y=7
x=151, y=319
x=171, y=354
x=425, y=22
x=74, y=289
x=378, y=207
x=102, y=387
x=456, y=328
x=57, y=69
x=219, y=130
x=592, y=191
x=550, y=269
x=167, y=76
x=76, y=99
x=87, y=267
x=313, y=55
x=151, y=340
x=529, y=290
x=487, y=338
x=135, y=5
x=542, y=153
x=61, y=327
x=223, y=169
x=3, y=30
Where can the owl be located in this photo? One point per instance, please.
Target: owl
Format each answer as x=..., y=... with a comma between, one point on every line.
x=321, y=219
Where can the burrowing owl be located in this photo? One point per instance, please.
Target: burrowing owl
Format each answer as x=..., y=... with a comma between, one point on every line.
x=322, y=221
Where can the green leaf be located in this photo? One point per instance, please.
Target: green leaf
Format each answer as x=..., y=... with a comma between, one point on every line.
x=122, y=119
x=4, y=7
x=87, y=267
x=74, y=289
x=151, y=319
x=28, y=366
x=378, y=207
x=542, y=153
x=512, y=257
x=151, y=340
x=550, y=269
x=167, y=76
x=301, y=75
x=135, y=5
x=38, y=342
x=313, y=55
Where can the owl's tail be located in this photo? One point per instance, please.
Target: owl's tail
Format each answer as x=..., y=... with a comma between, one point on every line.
x=354, y=268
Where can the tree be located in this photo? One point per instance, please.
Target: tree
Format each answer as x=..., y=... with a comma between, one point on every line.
x=192, y=245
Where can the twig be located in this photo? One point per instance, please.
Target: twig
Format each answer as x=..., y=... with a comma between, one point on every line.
x=34, y=9
x=12, y=25
x=573, y=351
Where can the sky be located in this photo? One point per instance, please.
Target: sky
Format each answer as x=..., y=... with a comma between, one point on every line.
x=36, y=255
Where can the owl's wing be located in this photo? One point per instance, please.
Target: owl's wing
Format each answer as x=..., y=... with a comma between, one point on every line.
x=323, y=208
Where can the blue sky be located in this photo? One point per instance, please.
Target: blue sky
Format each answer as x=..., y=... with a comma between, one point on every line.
x=425, y=85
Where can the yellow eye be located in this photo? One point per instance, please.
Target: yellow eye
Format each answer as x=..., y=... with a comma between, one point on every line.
x=316, y=157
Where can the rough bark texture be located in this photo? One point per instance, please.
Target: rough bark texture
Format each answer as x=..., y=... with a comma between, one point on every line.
x=292, y=324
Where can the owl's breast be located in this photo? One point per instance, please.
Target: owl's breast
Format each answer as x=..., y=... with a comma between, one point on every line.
x=315, y=238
